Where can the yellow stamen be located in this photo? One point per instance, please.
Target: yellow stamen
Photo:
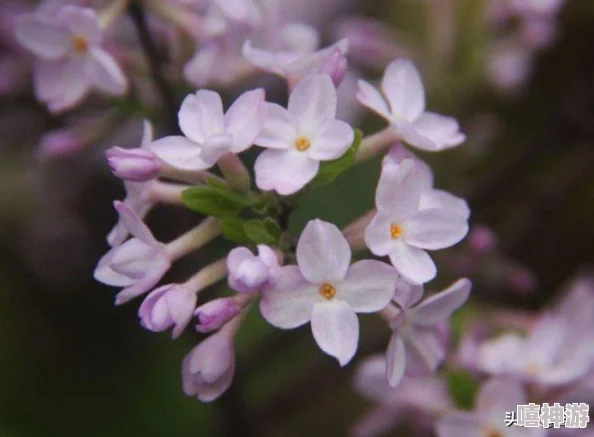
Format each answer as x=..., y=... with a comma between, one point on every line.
x=81, y=45
x=395, y=231
x=302, y=144
x=328, y=291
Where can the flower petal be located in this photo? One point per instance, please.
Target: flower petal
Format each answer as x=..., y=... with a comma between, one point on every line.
x=434, y=229
x=289, y=302
x=399, y=189
x=443, y=131
x=439, y=199
x=410, y=135
x=368, y=286
x=377, y=234
x=286, y=171
x=105, y=73
x=441, y=305
x=145, y=284
x=44, y=39
x=106, y=275
x=500, y=394
x=407, y=294
x=425, y=350
x=62, y=83
x=413, y=263
x=323, y=253
x=335, y=328
x=370, y=97
x=201, y=115
x=278, y=131
x=82, y=22
x=179, y=152
x=244, y=119
x=331, y=141
x=215, y=147
x=459, y=425
x=312, y=102
x=404, y=90
x=133, y=223
x=395, y=360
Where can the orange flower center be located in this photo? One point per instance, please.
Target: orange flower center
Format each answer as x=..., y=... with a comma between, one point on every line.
x=302, y=144
x=328, y=291
x=395, y=231
x=81, y=45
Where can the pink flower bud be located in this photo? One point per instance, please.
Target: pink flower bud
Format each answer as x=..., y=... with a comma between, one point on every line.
x=482, y=239
x=136, y=165
x=248, y=272
x=58, y=143
x=216, y=313
x=334, y=66
x=168, y=306
x=207, y=371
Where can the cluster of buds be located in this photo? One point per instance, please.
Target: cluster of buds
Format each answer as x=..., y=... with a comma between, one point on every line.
x=305, y=146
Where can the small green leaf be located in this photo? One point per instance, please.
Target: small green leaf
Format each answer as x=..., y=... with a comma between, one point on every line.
x=265, y=231
x=209, y=201
x=331, y=169
x=225, y=191
x=232, y=229
x=216, y=183
x=462, y=387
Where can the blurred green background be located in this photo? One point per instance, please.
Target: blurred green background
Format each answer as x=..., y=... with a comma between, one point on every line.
x=73, y=364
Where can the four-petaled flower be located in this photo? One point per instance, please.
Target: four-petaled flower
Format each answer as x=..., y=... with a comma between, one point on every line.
x=301, y=136
x=402, y=230
x=406, y=113
x=326, y=290
x=137, y=264
x=209, y=133
x=71, y=62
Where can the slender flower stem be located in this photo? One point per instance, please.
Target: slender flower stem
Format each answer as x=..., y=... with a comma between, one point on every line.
x=156, y=63
x=194, y=239
x=235, y=172
x=111, y=12
x=355, y=231
x=389, y=313
x=167, y=193
x=190, y=177
x=376, y=143
x=208, y=275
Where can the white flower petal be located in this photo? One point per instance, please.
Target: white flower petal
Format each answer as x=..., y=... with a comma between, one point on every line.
x=286, y=171
x=312, y=102
x=395, y=360
x=441, y=305
x=410, y=135
x=323, y=253
x=500, y=394
x=434, y=229
x=105, y=73
x=443, y=131
x=368, y=286
x=331, y=141
x=46, y=40
x=82, y=22
x=399, y=189
x=179, y=152
x=289, y=302
x=370, y=97
x=439, y=199
x=215, y=147
x=61, y=84
x=377, y=234
x=106, y=275
x=407, y=294
x=201, y=115
x=404, y=90
x=278, y=131
x=133, y=224
x=413, y=263
x=153, y=276
x=335, y=328
x=425, y=350
x=244, y=119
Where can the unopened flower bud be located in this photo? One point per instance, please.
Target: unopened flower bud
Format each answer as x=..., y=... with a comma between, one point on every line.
x=335, y=66
x=216, y=313
x=136, y=165
x=482, y=239
x=248, y=272
x=61, y=142
x=207, y=371
x=168, y=306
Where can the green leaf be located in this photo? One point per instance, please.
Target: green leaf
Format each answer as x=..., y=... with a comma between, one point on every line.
x=462, y=387
x=216, y=183
x=265, y=231
x=232, y=229
x=209, y=201
x=331, y=169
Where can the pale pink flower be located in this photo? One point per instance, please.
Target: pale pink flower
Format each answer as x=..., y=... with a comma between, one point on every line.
x=326, y=290
x=214, y=314
x=417, y=346
x=402, y=230
x=209, y=133
x=168, y=306
x=249, y=272
x=138, y=164
x=495, y=398
x=405, y=109
x=301, y=136
x=71, y=61
x=137, y=264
